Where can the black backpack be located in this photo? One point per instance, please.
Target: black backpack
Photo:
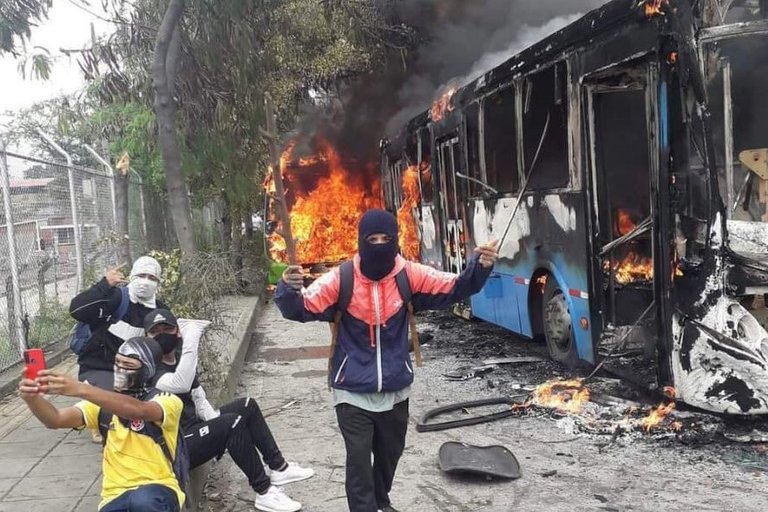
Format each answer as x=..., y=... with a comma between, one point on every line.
x=179, y=462
x=346, y=287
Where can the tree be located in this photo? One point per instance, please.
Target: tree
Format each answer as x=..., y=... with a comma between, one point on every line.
x=166, y=62
x=17, y=17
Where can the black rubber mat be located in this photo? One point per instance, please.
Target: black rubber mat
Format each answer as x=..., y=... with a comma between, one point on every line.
x=494, y=461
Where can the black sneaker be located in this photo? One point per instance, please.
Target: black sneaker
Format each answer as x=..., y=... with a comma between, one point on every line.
x=389, y=508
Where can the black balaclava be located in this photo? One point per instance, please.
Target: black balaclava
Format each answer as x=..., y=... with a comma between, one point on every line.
x=135, y=382
x=377, y=260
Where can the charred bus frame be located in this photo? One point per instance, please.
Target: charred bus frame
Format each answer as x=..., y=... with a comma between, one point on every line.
x=620, y=244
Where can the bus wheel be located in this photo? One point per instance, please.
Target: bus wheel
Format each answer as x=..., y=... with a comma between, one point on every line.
x=558, y=327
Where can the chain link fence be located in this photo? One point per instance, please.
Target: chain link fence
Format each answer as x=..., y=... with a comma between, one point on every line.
x=50, y=249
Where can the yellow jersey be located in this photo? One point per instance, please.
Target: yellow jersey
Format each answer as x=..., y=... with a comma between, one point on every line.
x=132, y=459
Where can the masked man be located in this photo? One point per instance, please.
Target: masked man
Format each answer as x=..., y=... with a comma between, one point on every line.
x=371, y=369
x=99, y=307
x=138, y=475
x=238, y=428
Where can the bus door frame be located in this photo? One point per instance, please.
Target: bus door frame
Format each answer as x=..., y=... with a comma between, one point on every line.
x=454, y=228
x=659, y=244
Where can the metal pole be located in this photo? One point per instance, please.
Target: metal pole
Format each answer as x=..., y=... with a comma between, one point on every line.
x=17, y=327
x=728, y=139
x=111, y=173
x=73, y=203
x=141, y=202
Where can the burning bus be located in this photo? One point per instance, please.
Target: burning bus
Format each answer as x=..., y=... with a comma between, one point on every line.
x=606, y=151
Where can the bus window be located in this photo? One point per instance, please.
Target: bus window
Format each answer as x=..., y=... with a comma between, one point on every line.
x=545, y=95
x=501, y=140
x=473, y=150
x=425, y=168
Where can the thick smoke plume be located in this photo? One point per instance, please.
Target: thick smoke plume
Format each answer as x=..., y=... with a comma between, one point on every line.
x=460, y=39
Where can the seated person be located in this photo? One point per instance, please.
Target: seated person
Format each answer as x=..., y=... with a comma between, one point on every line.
x=137, y=475
x=239, y=427
x=97, y=307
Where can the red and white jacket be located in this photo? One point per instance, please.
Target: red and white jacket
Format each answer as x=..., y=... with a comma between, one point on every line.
x=372, y=350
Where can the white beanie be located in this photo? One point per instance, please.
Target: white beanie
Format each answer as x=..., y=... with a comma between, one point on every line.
x=146, y=265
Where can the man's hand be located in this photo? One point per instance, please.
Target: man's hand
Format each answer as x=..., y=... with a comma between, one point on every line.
x=28, y=388
x=115, y=276
x=294, y=277
x=54, y=383
x=488, y=253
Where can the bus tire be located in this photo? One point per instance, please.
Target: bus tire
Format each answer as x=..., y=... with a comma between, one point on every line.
x=558, y=325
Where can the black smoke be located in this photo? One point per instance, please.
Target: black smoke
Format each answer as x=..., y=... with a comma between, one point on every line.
x=457, y=40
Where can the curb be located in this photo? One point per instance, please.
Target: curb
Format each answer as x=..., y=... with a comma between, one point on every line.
x=199, y=476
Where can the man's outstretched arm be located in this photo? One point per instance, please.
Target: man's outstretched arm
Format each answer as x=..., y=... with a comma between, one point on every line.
x=317, y=302
x=48, y=414
x=122, y=405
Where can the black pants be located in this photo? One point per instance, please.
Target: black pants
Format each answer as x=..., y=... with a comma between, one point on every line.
x=381, y=434
x=241, y=430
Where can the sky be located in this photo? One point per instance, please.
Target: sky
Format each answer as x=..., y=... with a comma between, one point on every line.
x=67, y=27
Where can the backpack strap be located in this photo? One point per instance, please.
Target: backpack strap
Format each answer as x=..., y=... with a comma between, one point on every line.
x=346, y=285
x=105, y=422
x=122, y=309
x=404, y=287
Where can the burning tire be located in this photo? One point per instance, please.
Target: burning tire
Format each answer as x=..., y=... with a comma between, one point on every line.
x=558, y=325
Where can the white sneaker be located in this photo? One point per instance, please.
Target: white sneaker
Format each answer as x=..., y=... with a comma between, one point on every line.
x=275, y=500
x=293, y=473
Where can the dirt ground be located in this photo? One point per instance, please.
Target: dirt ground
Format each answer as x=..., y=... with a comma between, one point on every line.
x=568, y=463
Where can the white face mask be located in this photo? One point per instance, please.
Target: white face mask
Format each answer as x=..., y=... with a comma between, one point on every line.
x=125, y=379
x=144, y=288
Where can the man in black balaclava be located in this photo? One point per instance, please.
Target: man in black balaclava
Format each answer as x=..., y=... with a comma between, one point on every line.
x=127, y=486
x=370, y=368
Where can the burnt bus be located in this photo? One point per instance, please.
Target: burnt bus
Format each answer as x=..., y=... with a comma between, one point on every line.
x=614, y=152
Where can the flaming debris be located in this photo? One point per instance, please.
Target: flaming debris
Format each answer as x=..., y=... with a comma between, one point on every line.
x=657, y=415
x=568, y=396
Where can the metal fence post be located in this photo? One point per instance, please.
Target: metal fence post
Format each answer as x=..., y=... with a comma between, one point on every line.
x=17, y=331
x=73, y=204
x=111, y=173
x=141, y=202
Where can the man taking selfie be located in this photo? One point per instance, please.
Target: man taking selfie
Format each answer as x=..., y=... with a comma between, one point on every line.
x=141, y=430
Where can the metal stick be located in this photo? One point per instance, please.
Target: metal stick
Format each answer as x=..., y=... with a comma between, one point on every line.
x=525, y=183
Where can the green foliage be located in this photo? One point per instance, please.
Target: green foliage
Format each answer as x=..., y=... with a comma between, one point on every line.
x=194, y=288
x=52, y=323
x=17, y=17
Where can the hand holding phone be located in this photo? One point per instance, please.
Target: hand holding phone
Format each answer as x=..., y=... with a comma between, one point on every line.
x=34, y=360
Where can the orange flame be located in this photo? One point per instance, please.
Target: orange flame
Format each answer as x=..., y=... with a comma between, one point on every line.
x=624, y=222
x=324, y=219
x=653, y=7
x=406, y=222
x=633, y=267
x=657, y=415
x=567, y=396
x=442, y=105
